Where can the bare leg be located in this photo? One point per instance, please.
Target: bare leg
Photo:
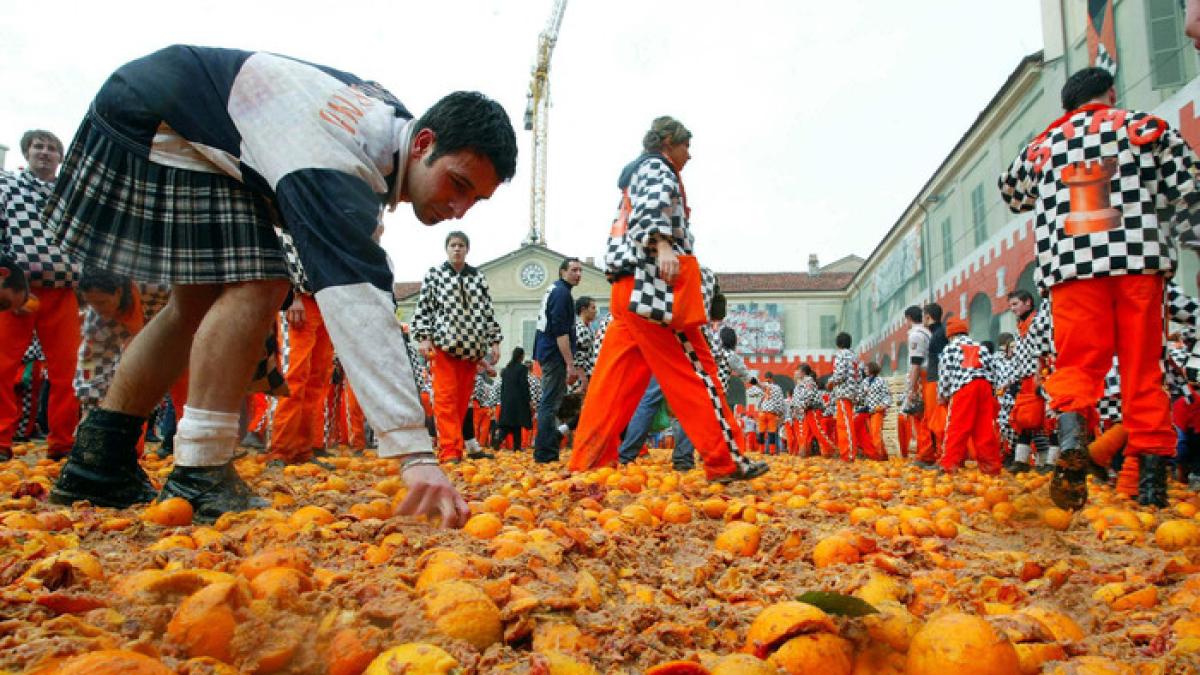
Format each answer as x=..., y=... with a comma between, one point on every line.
x=158, y=355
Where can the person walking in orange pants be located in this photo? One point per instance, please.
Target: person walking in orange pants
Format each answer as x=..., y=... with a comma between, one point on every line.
x=298, y=425
x=1101, y=178
x=455, y=326
x=911, y=424
x=934, y=418
x=877, y=398
x=845, y=383
x=965, y=387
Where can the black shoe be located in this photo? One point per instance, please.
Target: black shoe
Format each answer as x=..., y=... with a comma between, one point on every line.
x=322, y=452
x=1019, y=467
x=212, y=491
x=5, y=454
x=1152, y=480
x=1068, y=487
x=746, y=470
x=684, y=467
x=480, y=454
x=103, y=468
x=928, y=466
x=166, y=449
x=1044, y=469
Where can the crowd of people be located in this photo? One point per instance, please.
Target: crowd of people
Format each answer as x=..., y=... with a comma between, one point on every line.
x=222, y=257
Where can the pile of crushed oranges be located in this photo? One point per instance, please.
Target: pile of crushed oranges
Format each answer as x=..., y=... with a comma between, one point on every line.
x=632, y=570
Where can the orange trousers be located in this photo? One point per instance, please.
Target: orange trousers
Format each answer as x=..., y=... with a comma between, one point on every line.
x=868, y=431
x=57, y=323
x=918, y=423
x=934, y=420
x=905, y=432
x=298, y=426
x=352, y=414
x=791, y=433
x=813, y=428
x=1095, y=319
x=483, y=424
x=453, y=386
x=845, y=429
x=257, y=405
x=971, y=420
x=634, y=349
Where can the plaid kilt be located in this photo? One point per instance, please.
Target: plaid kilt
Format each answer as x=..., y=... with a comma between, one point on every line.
x=115, y=209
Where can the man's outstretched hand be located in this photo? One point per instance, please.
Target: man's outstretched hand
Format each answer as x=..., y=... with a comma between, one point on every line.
x=430, y=493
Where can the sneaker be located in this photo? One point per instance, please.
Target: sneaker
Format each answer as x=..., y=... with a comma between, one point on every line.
x=102, y=468
x=1068, y=486
x=1019, y=467
x=479, y=454
x=928, y=466
x=1044, y=469
x=212, y=491
x=746, y=470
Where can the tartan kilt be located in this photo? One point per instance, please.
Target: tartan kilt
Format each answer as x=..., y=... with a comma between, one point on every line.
x=115, y=209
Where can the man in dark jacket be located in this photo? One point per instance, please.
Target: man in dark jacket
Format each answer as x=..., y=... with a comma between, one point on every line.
x=553, y=347
x=927, y=457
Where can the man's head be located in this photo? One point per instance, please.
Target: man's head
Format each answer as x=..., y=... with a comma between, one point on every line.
x=585, y=308
x=933, y=313
x=668, y=136
x=843, y=340
x=872, y=369
x=956, y=326
x=457, y=246
x=913, y=314
x=14, y=287
x=769, y=377
x=107, y=294
x=570, y=271
x=754, y=382
x=1020, y=302
x=43, y=151
x=462, y=149
x=728, y=337
x=1088, y=85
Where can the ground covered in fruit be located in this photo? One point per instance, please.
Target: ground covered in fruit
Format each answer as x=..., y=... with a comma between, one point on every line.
x=611, y=571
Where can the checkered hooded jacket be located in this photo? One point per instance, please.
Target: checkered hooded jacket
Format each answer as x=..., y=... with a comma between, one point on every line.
x=963, y=361
x=25, y=239
x=1111, y=188
x=455, y=312
x=876, y=394
x=847, y=375
x=773, y=400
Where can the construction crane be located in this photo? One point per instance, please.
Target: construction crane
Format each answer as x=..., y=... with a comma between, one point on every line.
x=537, y=119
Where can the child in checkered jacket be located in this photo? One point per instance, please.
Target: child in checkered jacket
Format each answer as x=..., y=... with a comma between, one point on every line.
x=965, y=387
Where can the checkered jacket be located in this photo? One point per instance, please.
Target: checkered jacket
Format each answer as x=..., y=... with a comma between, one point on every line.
x=1109, y=405
x=729, y=364
x=485, y=391
x=876, y=394
x=102, y=342
x=797, y=403
x=1149, y=172
x=754, y=396
x=828, y=404
x=535, y=391
x=584, y=361
x=1031, y=348
x=598, y=336
x=36, y=250
x=34, y=351
x=963, y=360
x=658, y=208
x=806, y=395
x=455, y=311
x=847, y=375
x=773, y=401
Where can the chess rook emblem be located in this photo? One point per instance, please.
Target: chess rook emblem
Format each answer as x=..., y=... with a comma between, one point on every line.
x=1091, y=204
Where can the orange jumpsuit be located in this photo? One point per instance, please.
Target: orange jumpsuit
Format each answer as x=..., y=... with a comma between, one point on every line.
x=298, y=426
x=453, y=387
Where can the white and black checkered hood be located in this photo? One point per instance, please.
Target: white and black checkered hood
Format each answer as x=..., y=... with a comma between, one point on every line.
x=847, y=375
x=34, y=247
x=773, y=400
x=954, y=374
x=1154, y=189
x=876, y=393
x=455, y=311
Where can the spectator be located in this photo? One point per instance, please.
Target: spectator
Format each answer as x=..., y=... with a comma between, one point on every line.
x=554, y=350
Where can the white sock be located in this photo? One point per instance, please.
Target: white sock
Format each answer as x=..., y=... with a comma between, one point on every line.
x=1052, y=455
x=1021, y=453
x=473, y=445
x=563, y=429
x=205, y=437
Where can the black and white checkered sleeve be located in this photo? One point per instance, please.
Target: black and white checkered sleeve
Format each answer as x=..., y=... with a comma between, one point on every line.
x=6, y=187
x=1017, y=187
x=950, y=370
x=653, y=191
x=1177, y=167
x=1181, y=307
x=425, y=317
x=494, y=334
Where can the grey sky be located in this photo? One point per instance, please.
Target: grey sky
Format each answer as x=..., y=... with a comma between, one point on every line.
x=814, y=123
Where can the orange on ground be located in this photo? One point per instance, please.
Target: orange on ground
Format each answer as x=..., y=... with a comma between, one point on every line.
x=739, y=538
x=956, y=643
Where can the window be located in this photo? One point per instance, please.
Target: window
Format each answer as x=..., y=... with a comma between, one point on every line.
x=528, y=332
x=828, y=326
x=1165, y=29
x=979, y=215
x=947, y=246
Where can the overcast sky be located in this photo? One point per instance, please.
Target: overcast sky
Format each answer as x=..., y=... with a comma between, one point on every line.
x=814, y=123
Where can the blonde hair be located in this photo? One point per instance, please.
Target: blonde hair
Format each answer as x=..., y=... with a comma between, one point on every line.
x=664, y=130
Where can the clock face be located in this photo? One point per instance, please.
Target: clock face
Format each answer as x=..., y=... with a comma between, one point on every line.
x=533, y=275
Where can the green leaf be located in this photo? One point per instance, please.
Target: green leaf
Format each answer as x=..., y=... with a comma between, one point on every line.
x=837, y=603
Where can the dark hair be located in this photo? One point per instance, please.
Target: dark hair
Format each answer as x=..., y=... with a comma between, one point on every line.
x=989, y=345
x=873, y=368
x=663, y=130
x=1022, y=295
x=806, y=370
x=1003, y=339
x=518, y=355
x=843, y=340
x=754, y=380
x=562, y=266
x=456, y=234
x=1084, y=86
x=15, y=281
x=96, y=279
x=913, y=313
x=728, y=337
x=933, y=311
x=581, y=303
x=769, y=376
x=32, y=135
x=468, y=120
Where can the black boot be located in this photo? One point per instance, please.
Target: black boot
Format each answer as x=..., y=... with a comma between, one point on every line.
x=103, y=465
x=212, y=490
x=1152, y=480
x=1068, y=487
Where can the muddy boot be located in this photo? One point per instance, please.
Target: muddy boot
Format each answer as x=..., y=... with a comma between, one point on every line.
x=1152, y=480
x=1068, y=487
x=212, y=491
x=103, y=465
